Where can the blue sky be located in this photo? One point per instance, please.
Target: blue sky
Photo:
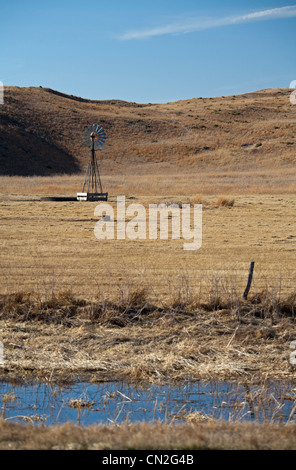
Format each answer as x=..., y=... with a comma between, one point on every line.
x=148, y=51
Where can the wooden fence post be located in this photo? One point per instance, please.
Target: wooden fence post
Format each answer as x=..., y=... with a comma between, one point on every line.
x=246, y=291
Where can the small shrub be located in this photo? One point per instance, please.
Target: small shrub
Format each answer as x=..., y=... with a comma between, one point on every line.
x=196, y=199
x=225, y=202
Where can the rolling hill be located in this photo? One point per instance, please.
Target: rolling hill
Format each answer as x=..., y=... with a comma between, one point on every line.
x=40, y=132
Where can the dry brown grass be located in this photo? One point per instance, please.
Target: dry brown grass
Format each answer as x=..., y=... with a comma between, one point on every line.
x=132, y=338
x=50, y=246
x=143, y=436
x=156, y=180
x=197, y=199
x=178, y=314
x=136, y=306
x=225, y=202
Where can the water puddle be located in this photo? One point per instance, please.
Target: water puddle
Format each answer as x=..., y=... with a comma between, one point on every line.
x=89, y=403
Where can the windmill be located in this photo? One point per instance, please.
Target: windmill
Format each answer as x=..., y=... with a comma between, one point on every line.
x=93, y=137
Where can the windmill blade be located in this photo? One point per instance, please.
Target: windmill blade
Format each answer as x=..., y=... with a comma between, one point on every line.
x=98, y=138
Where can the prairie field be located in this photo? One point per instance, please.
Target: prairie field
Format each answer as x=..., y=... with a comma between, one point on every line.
x=51, y=245
x=55, y=272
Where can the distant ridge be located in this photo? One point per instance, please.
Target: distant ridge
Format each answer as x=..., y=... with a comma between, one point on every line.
x=40, y=132
x=85, y=100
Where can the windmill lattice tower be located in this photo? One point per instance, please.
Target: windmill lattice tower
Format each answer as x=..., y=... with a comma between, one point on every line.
x=94, y=137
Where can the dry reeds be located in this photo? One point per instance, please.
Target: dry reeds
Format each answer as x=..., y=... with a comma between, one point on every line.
x=133, y=305
x=149, y=436
x=136, y=303
x=132, y=337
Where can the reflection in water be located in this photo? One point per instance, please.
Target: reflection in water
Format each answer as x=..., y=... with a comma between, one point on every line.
x=89, y=403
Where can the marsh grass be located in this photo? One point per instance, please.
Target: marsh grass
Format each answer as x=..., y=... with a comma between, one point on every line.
x=133, y=304
x=208, y=333
x=204, y=334
x=148, y=436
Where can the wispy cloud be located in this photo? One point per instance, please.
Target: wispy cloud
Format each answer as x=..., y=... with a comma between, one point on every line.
x=201, y=23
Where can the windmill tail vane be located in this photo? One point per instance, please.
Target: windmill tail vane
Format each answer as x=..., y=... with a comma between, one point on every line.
x=94, y=138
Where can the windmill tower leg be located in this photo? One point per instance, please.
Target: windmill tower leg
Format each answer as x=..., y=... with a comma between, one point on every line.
x=98, y=177
x=92, y=187
x=87, y=179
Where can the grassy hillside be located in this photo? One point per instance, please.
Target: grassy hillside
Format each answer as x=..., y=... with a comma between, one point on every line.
x=40, y=132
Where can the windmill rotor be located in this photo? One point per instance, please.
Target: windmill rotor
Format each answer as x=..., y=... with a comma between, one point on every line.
x=94, y=134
